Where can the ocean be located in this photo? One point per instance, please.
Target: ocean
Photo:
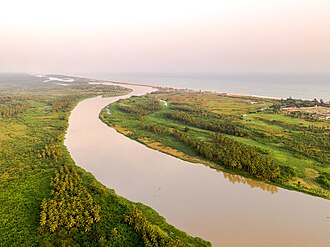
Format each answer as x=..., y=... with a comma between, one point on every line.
x=270, y=85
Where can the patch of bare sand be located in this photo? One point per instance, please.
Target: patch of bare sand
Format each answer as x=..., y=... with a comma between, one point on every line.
x=158, y=146
x=122, y=130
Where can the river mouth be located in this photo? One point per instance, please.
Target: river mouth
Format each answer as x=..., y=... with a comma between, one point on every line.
x=225, y=209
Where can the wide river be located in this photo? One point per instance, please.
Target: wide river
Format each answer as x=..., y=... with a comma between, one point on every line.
x=225, y=209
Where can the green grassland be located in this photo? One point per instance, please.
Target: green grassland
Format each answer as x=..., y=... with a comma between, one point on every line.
x=33, y=119
x=297, y=148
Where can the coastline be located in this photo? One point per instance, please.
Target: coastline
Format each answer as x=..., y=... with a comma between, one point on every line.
x=183, y=89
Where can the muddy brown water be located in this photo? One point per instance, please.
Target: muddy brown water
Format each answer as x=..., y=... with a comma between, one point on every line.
x=226, y=209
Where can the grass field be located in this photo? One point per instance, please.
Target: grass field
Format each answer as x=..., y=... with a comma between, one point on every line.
x=33, y=121
x=300, y=147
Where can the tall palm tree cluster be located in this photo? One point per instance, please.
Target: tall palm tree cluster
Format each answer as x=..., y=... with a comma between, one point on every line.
x=71, y=206
x=141, y=107
x=233, y=155
x=51, y=150
x=11, y=106
x=152, y=235
x=210, y=122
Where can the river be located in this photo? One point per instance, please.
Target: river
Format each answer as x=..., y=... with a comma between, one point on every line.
x=227, y=210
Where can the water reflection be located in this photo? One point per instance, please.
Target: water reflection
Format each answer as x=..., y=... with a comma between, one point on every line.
x=253, y=184
x=193, y=197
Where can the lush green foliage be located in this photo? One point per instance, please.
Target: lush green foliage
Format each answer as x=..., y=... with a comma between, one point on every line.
x=142, y=108
x=72, y=206
x=10, y=106
x=233, y=154
x=44, y=202
x=51, y=150
x=152, y=235
x=324, y=179
x=290, y=102
x=295, y=152
x=62, y=104
x=206, y=121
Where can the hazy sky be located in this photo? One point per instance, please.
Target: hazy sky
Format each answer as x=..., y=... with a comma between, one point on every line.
x=172, y=36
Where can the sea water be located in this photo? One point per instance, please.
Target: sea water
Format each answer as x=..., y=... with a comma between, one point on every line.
x=300, y=86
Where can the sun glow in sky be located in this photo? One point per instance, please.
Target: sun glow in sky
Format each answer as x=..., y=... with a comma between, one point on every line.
x=170, y=36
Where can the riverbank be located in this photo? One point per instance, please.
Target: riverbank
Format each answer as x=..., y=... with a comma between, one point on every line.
x=36, y=168
x=193, y=197
x=267, y=131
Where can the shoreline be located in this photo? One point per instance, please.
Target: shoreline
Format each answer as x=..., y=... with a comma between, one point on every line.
x=185, y=157
x=159, y=189
x=199, y=161
x=185, y=89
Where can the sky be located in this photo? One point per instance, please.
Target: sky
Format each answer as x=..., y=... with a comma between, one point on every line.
x=166, y=37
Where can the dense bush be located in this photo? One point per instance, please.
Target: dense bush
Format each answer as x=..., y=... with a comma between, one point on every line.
x=141, y=108
x=63, y=103
x=187, y=108
x=51, y=150
x=290, y=102
x=12, y=108
x=286, y=173
x=324, y=180
x=71, y=206
x=223, y=125
x=155, y=128
x=233, y=154
x=152, y=235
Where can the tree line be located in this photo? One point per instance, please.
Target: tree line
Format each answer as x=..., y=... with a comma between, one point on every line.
x=62, y=104
x=290, y=102
x=71, y=206
x=223, y=125
x=314, y=146
x=233, y=155
x=155, y=128
x=187, y=108
x=12, y=108
x=140, y=108
x=151, y=235
x=51, y=150
x=324, y=180
x=304, y=115
x=310, y=141
x=310, y=128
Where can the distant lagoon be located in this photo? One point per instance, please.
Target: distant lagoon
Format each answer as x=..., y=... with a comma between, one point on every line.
x=270, y=85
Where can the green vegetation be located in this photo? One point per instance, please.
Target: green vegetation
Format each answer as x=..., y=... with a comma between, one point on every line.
x=72, y=206
x=232, y=154
x=208, y=121
x=44, y=198
x=141, y=108
x=290, y=102
x=152, y=235
x=253, y=137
